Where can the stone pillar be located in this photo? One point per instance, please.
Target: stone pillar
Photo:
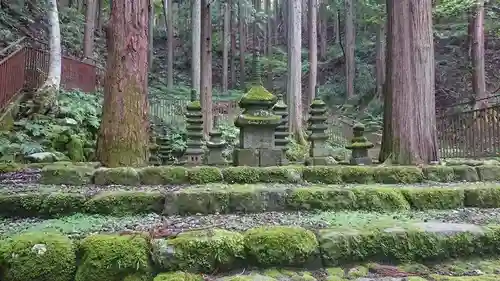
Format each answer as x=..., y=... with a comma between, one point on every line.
x=359, y=146
x=318, y=152
x=194, y=120
x=215, y=146
x=281, y=133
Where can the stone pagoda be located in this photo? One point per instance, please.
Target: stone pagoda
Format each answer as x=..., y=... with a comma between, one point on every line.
x=215, y=146
x=359, y=146
x=257, y=124
x=194, y=119
x=281, y=133
x=318, y=152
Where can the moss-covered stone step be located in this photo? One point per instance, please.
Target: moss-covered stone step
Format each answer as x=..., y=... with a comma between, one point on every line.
x=168, y=175
x=245, y=199
x=51, y=256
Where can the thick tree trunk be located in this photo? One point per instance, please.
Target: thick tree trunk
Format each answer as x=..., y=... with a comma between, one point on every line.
x=269, y=43
x=295, y=70
x=323, y=23
x=44, y=99
x=196, y=45
x=380, y=59
x=350, y=45
x=241, y=27
x=225, y=50
x=170, y=47
x=409, y=119
x=124, y=133
x=477, y=54
x=206, y=69
x=313, y=50
x=88, y=37
x=336, y=25
x=151, y=24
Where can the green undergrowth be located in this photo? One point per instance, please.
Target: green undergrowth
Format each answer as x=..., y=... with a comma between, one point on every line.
x=342, y=254
x=339, y=174
x=53, y=201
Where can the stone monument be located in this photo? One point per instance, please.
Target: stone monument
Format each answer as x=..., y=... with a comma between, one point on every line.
x=215, y=146
x=257, y=124
x=359, y=146
x=281, y=133
x=194, y=143
x=318, y=151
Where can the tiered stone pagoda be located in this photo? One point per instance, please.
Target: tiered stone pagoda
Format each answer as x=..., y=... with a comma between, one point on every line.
x=281, y=133
x=318, y=152
x=359, y=146
x=257, y=125
x=194, y=120
x=215, y=146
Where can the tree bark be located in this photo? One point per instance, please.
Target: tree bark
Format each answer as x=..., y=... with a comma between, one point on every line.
x=196, y=45
x=380, y=59
x=350, y=45
x=232, y=32
x=151, y=24
x=323, y=23
x=88, y=37
x=409, y=135
x=336, y=25
x=225, y=50
x=206, y=69
x=124, y=132
x=295, y=70
x=477, y=56
x=313, y=50
x=241, y=27
x=269, y=43
x=170, y=47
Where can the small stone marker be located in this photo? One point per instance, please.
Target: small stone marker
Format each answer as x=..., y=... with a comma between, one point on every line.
x=194, y=119
x=359, y=146
x=216, y=146
x=281, y=133
x=257, y=125
x=317, y=125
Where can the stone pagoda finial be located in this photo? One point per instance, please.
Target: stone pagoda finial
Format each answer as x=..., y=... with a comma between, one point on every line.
x=256, y=69
x=194, y=119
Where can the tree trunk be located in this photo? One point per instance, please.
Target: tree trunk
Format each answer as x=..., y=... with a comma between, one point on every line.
x=336, y=25
x=323, y=23
x=313, y=50
x=295, y=70
x=350, y=45
x=206, y=69
x=45, y=98
x=241, y=27
x=477, y=52
x=225, y=50
x=88, y=37
x=269, y=43
x=232, y=32
x=409, y=135
x=380, y=59
x=124, y=132
x=151, y=24
x=100, y=15
x=170, y=47
x=196, y=45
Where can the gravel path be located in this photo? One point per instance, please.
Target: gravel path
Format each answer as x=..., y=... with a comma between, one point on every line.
x=80, y=224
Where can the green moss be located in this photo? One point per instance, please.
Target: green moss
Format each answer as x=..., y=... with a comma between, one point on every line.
x=438, y=198
x=126, y=203
x=436, y=277
x=488, y=172
x=357, y=174
x=10, y=167
x=203, y=175
x=40, y=204
x=68, y=175
x=380, y=199
x=119, y=176
x=258, y=93
x=252, y=277
x=486, y=197
x=465, y=173
x=199, y=251
x=38, y=256
x=280, y=174
x=241, y=174
x=113, y=257
x=194, y=105
x=75, y=149
x=178, y=276
x=321, y=199
x=398, y=174
x=439, y=173
x=280, y=245
x=163, y=175
x=322, y=174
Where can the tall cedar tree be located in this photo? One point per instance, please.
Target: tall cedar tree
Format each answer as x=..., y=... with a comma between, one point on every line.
x=124, y=133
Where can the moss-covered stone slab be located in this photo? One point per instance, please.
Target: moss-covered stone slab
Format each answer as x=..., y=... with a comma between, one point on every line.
x=199, y=251
x=125, y=203
x=118, y=176
x=163, y=175
x=38, y=256
x=68, y=175
x=114, y=258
